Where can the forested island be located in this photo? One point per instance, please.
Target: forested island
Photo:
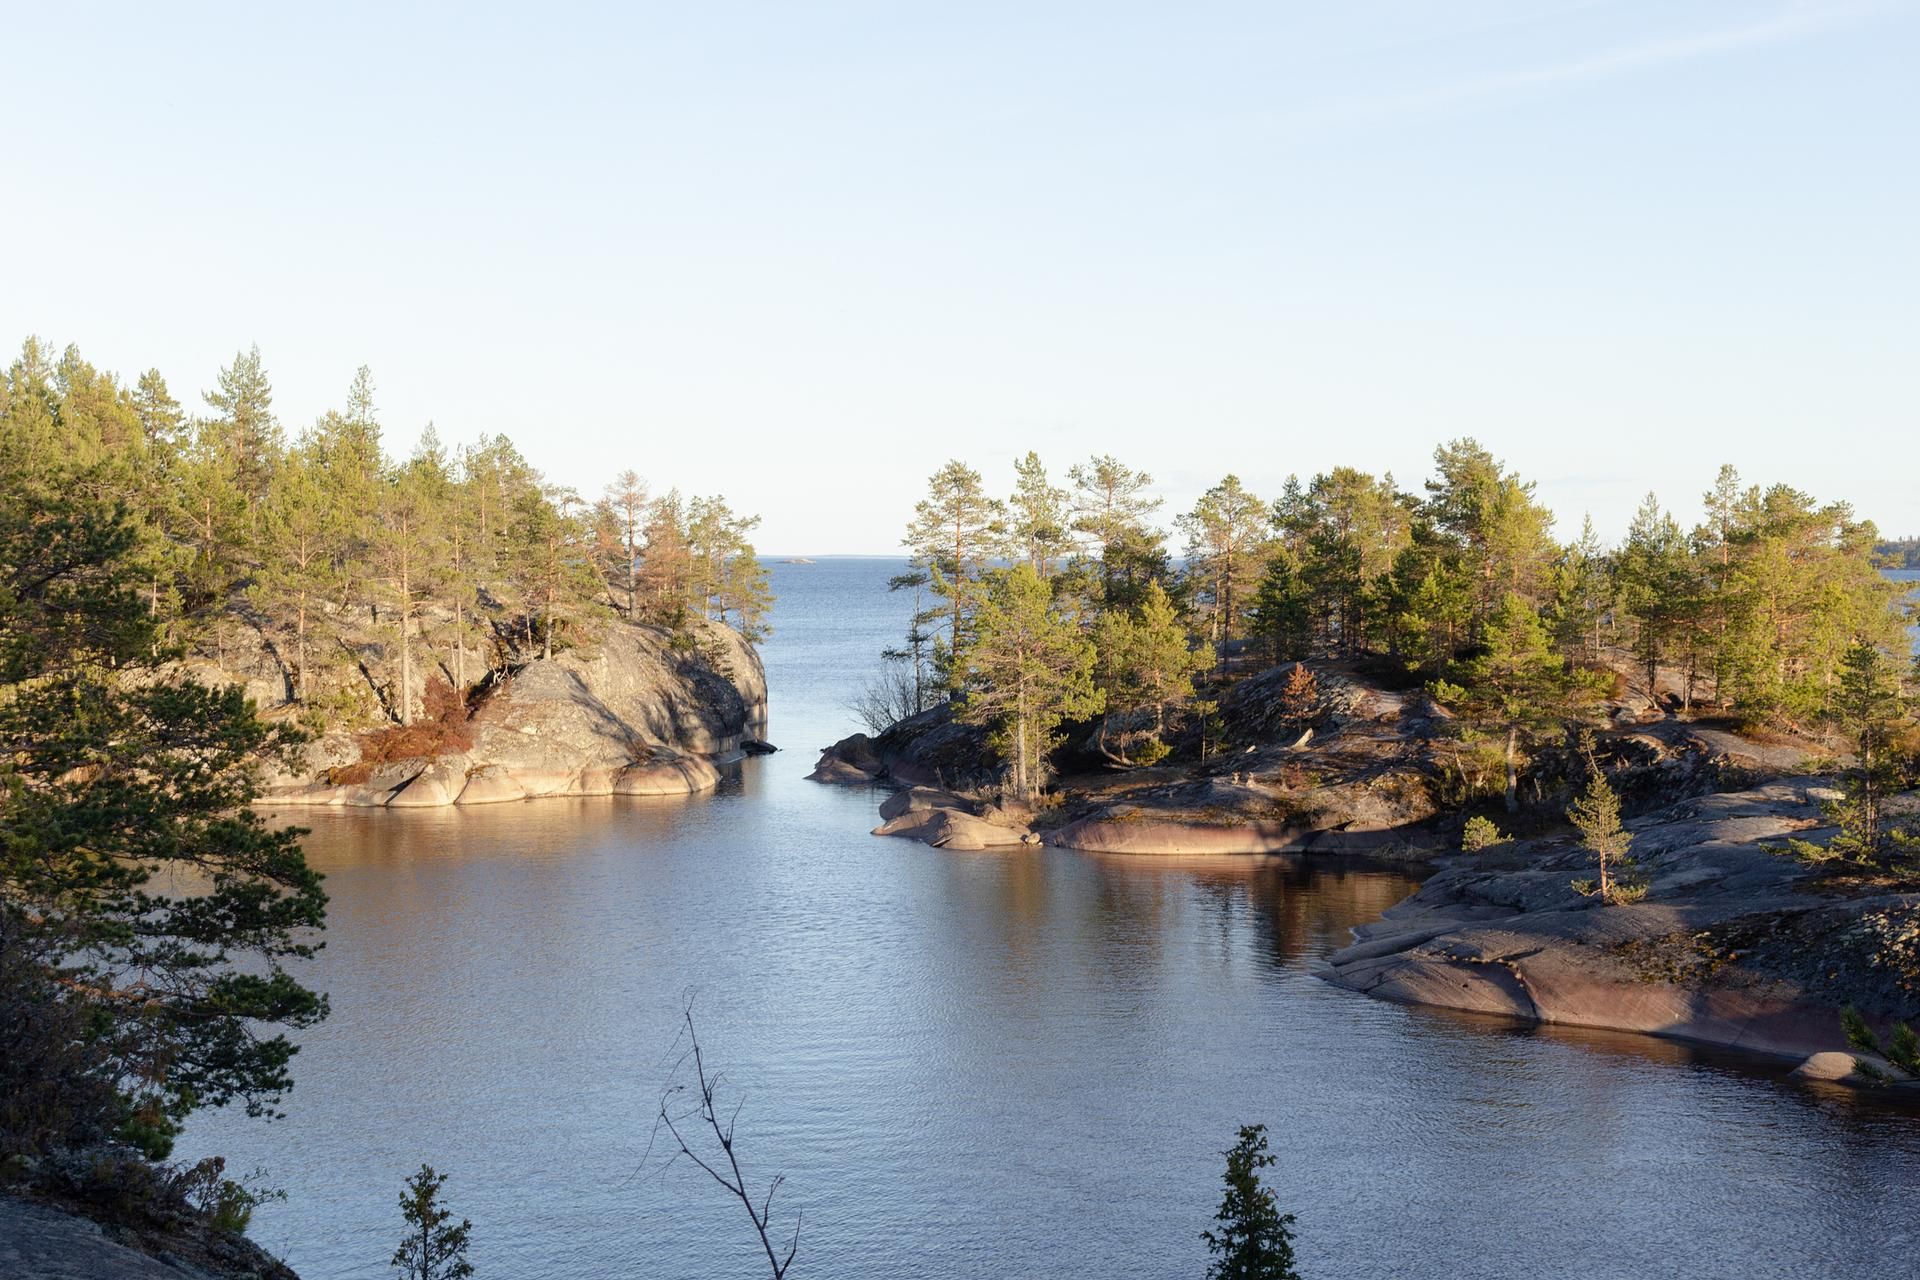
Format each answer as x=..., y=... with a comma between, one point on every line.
x=1677, y=767
x=199, y=614
x=409, y=613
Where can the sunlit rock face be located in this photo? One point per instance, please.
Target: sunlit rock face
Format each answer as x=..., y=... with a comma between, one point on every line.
x=631, y=715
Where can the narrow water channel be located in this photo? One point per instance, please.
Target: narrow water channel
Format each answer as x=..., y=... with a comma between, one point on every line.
x=982, y=1065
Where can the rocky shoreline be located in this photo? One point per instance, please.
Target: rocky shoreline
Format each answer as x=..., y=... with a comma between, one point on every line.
x=1735, y=945
x=633, y=715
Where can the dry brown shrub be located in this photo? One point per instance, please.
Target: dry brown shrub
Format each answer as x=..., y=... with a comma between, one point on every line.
x=442, y=730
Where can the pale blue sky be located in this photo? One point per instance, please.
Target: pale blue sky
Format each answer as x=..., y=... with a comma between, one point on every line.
x=801, y=253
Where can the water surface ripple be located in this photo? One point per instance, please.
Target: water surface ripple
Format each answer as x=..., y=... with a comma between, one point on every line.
x=974, y=1065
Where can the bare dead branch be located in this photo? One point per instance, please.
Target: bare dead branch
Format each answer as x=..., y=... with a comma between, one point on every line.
x=702, y=1112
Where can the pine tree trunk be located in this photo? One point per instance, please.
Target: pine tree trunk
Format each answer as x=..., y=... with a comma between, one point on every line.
x=1513, y=769
x=406, y=654
x=1020, y=731
x=301, y=645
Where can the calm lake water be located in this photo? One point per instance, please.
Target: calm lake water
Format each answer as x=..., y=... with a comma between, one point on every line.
x=977, y=1065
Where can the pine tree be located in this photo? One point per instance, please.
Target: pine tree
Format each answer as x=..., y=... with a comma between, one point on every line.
x=434, y=1248
x=1145, y=661
x=1518, y=688
x=407, y=543
x=666, y=567
x=1279, y=614
x=1582, y=595
x=1112, y=514
x=1346, y=530
x=550, y=562
x=1870, y=713
x=1227, y=536
x=1653, y=581
x=303, y=546
x=465, y=561
x=345, y=446
x=952, y=536
x=1714, y=546
x=120, y=787
x=627, y=499
x=1038, y=519
x=1255, y=1240
x=1596, y=815
x=1499, y=532
x=1803, y=583
x=1429, y=602
x=1024, y=669
x=915, y=651
x=726, y=575
x=208, y=515
x=248, y=433
x=162, y=421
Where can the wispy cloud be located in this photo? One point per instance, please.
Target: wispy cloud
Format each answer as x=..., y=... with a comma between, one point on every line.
x=1793, y=22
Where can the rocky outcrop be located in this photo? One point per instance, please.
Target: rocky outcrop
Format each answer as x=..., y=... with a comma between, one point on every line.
x=41, y=1242
x=1353, y=772
x=931, y=749
x=631, y=715
x=1733, y=945
x=851, y=761
x=949, y=821
x=1350, y=767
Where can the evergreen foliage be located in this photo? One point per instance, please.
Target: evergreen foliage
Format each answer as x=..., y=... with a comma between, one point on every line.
x=1517, y=689
x=1145, y=661
x=1461, y=587
x=1122, y=551
x=434, y=1247
x=1254, y=1240
x=1901, y=1050
x=1023, y=669
x=139, y=893
x=1873, y=715
x=1479, y=834
x=452, y=561
x=952, y=539
x=1595, y=814
x=1227, y=537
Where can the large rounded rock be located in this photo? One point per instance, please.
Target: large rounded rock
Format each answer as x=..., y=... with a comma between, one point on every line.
x=491, y=785
x=1828, y=1065
x=952, y=829
x=440, y=783
x=852, y=760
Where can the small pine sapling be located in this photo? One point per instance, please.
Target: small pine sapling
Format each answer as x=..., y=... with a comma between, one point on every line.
x=1255, y=1240
x=433, y=1248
